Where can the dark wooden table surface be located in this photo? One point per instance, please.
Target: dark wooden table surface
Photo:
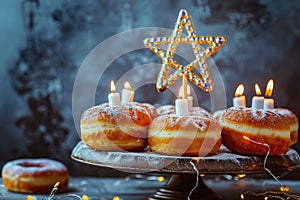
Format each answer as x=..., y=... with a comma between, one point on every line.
x=141, y=186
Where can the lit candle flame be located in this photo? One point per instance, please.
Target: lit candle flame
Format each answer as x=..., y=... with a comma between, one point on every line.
x=257, y=90
x=112, y=86
x=127, y=85
x=239, y=90
x=269, y=89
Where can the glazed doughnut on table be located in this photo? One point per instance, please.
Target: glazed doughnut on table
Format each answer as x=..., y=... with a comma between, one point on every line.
x=259, y=125
x=292, y=120
x=113, y=128
x=34, y=175
x=184, y=135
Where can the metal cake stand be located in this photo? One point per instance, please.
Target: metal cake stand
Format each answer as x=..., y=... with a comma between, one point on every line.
x=183, y=169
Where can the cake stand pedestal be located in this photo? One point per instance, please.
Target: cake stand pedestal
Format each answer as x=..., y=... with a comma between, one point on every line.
x=179, y=186
x=183, y=169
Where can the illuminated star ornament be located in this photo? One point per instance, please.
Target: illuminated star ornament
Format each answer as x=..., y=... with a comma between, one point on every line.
x=166, y=77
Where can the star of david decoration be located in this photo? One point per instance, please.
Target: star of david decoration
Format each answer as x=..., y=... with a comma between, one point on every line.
x=165, y=77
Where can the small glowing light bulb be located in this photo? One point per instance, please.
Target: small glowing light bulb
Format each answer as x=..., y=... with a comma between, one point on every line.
x=196, y=159
x=116, y=198
x=242, y=196
x=160, y=179
x=85, y=197
x=284, y=189
x=56, y=184
x=29, y=197
x=241, y=175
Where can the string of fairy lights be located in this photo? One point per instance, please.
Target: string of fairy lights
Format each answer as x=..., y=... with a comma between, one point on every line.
x=197, y=178
x=269, y=194
x=53, y=196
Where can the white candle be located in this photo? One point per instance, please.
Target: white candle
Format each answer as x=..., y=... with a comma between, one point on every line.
x=258, y=101
x=239, y=99
x=127, y=93
x=182, y=103
x=269, y=102
x=189, y=98
x=182, y=107
x=190, y=103
x=113, y=97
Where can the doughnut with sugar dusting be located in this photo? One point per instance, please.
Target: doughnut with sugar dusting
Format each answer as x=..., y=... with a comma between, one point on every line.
x=184, y=135
x=114, y=128
x=248, y=131
x=34, y=175
x=166, y=110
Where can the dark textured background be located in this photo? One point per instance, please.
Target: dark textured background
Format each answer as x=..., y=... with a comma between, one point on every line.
x=43, y=43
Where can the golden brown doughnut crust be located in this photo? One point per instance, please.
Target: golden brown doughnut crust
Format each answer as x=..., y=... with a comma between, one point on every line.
x=111, y=128
x=263, y=126
x=254, y=117
x=34, y=175
x=291, y=119
x=184, y=135
x=235, y=141
x=110, y=114
x=150, y=108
